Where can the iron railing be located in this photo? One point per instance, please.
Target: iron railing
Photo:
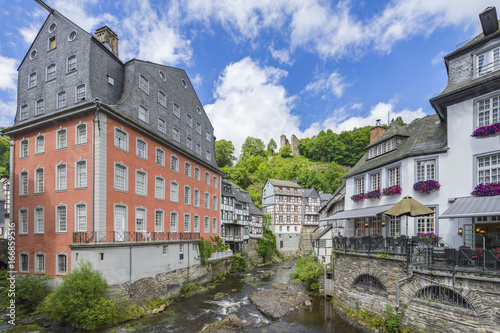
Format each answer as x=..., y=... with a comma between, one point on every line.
x=127, y=236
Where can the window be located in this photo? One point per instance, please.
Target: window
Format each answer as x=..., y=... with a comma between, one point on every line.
x=40, y=107
x=209, y=136
x=174, y=163
x=488, y=169
x=72, y=36
x=177, y=110
x=198, y=148
x=39, y=180
x=159, y=221
x=121, y=177
x=51, y=72
x=40, y=263
x=207, y=178
x=176, y=135
x=62, y=141
x=81, y=134
x=206, y=227
x=24, y=112
x=487, y=111
x=24, y=262
x=81, y=217
x=61, y=177
x=121, y=139
x=162, y=126
x=488, y=62
x=52, y=43
x=394, y=176
x=181, y=251
x=208, y=155
x=32, y=81
x=141, y=149
x=207, y=200
x=384, y=147
x=71, y=67
x=197, y=198
x=24, y=148
x=61, y=220
x=162, y=75
x=140, y=219
x=214, y=225
x=160, y=157
x=426, y=170
x=187, y=195
x=62, y=264
x=375, y=181
x=196, y=224
x=187, y=223
x=174, y=192
x=23, y=221
x=198, y=110
x=140, y=182
x=189, y=143
x=360, y=185
x=214, y=202
x=165, y=249
x=81, y=174
x=143, y=114
x=120, y=222
x=81, y=93
x=159, y=188
x=394, y=226
x=198, y=127
x=144, y=84
x=61, y=100
x=173, y=222
x=187, y=169
x=39, y=220
x=215, y=182
x=189, y=120
x=425, y=224
x=23, y=183
x=196, y=173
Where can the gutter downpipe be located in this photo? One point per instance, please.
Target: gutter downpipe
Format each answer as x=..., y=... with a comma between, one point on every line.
x=397, y=288
x=130, y=271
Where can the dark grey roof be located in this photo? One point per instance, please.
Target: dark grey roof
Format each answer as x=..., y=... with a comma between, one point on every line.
x=254, y=210
x=337, y=196
x=284, y=183
x=424, y=136
x=246, y=197
x=325, y=196
x=310, y=193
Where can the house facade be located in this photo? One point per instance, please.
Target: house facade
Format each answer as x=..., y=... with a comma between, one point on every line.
x=109, y=158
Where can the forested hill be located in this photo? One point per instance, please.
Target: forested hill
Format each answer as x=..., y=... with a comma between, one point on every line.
x=325, y=159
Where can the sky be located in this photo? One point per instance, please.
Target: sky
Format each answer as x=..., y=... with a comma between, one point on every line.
x=264, y=68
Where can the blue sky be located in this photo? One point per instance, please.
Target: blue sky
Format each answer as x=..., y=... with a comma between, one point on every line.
x=269, y=67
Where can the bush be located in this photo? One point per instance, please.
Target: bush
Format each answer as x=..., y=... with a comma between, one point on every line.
x=392, y=320
x=308, y=270
x=81, y=300
x=267, y=245
x=240, y=262
x=31, y=290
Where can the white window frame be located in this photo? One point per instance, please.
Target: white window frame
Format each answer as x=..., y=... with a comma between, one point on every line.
x=71, y=66
x=187, y=169
x=61, y=142
x=81, y=173
x=40, y=106
x=187, y=222
x=80, y=93
x=174, y=221
x=198, y=148
x=144, y=153
x=159, y=188
x=80, y=137
x=116, y=207
x=360, y=185
x=196, y=197
x=189, y=120
x=23, y=182
x=39, y=270
x=162, y=125
x=487, y=59
x=422, y=171
x=197, y=173
x=206, y=200
x=137, y=216
x=62, y=99
x=81, y=226
x=162, y=101
x=32, y=80
x=23, y=269
x=143, y=114
x=189, y=142
x=59, y=208
x=196, y=223
x=118, y=139
x=39, y=223
x=215, y=181
x=51, y=74
x=174, y=191
x=207, y=178
x=58, y=266
x=209, y=136
x=125, y=178
x=138, y=174
x=160, y=157
x=214, y=202
x=60, y=176
x=24, y=148
x=394, y=175
x=187, y=195
x=143, y=83
x=488, y=169
x=39, y=186
x=176, y=110
x=159, y=223
x=206, y=225
x=174, y=163
x=375, y=181
x=23, y=221
x=198, y=127
x=487, y=111
x=176, y=134
x=426, y=224
x=214, y=225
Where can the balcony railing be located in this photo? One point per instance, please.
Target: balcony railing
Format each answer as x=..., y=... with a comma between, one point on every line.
x=220, y=255
x=233, y=238
x=126, y=236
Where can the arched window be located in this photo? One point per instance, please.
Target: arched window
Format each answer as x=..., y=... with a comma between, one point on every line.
x=369, y=280
x=444, y=295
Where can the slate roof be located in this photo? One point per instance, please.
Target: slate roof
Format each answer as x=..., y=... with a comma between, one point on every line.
x=284, y=183
x=422, y=137
x=255, y=211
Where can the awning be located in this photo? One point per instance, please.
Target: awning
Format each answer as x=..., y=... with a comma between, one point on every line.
x=355, y=213
x=472, y=206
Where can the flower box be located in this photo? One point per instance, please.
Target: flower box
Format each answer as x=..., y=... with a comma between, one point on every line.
x=426, y=186
x=485, y=131
x=373, y=194
x=487, y=190
x=391, y=190
x=428, y=238
x=358, y=197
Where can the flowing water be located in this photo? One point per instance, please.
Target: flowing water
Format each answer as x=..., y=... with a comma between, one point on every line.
x=191, y=314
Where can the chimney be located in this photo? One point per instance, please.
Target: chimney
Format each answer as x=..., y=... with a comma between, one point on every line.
x=489, y=20
x=377, y=131
x=106, y=36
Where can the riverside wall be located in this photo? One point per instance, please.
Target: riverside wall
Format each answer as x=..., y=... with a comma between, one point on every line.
x=482, y=294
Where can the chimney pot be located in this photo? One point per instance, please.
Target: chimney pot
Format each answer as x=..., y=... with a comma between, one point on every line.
x=489, y=20
x=107, y=37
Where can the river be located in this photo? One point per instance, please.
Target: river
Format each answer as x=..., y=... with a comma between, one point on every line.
x=191, y=314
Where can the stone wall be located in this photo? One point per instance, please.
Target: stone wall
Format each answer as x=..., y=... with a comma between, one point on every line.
x=251, y=248
x=482, y=293
x=306, y=234
x=168, y=285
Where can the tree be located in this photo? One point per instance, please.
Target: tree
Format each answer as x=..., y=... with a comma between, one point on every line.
x=271, y=147
x=252, y=146
x=4, y=156
x=285, y=151
x=224, y=153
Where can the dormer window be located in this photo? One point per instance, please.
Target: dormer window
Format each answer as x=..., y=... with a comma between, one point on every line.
x=487, y=59
x=384, y=147
x=143, y=84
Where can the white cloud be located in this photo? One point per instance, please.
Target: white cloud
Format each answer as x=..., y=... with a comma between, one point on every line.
x=438, y=59
x=8, y=73
x=197, y=80
x=327, y=83
x=77, y=11
x=283, y=55
x=7, y=110
x=356, y=106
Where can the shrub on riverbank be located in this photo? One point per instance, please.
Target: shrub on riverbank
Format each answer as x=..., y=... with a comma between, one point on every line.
x=267, y=244
x=307, y=271
x=31, y=290
x=82, y=300
x=240, y=262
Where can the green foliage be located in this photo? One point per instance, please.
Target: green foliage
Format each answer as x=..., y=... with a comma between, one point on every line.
x=189, y=289
x=252, y=146
x=285, y=151
x=4, y=155
x=392, y=320
x=307, y=271
x=271, y=147
x=240, y=262
x=267, y=244
x=81, y=300
x=205, y=250
x=224, y=151
x=31, y=290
